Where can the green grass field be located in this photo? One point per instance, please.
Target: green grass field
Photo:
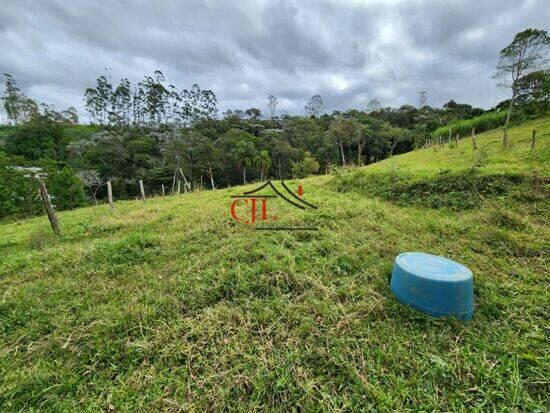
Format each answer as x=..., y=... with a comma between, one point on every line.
x=170, y=305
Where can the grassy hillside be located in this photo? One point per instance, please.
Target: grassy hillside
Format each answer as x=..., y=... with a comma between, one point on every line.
x=171, y=305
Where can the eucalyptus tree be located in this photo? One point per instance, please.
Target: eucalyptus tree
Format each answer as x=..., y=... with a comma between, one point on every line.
x=197, y=105
x=527, y=53
x=138, y=104
x=68, y=116
x=272, y=103
x=11, y=99
x=122, y=103
x=253, y=113
x=174, y=104
x=422, y=98
x=104, y=90
x=18, y=107
x=155, y=98
x=315, y=106
x=91, y=104
x=373, y=105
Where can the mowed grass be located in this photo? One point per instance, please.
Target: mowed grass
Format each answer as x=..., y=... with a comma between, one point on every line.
x=170, y=305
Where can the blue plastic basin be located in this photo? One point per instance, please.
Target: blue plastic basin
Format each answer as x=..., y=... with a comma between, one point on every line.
x=433, y=284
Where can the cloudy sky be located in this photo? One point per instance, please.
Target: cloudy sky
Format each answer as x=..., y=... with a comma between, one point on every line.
x=347, y=51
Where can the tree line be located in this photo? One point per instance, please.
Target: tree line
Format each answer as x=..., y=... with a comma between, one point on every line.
x=158, y=133
x=151, y=102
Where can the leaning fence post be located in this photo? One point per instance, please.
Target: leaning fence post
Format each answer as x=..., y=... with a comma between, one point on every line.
x=474, y=143
x=142, y=190
x=49, y=208
x=533, y=140
x=110, y=194
x=162, y=186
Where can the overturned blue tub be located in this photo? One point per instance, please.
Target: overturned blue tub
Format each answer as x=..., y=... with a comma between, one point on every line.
x=433, y=284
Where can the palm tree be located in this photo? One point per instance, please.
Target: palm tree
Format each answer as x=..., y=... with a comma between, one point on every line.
x=263, y=163
x=244, y=153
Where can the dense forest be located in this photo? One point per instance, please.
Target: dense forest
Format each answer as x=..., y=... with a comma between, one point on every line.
x=158, y=133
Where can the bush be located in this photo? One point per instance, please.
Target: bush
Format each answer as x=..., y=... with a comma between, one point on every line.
x=18, y=194
x=457, y=191
x=66, y=189
x=36, y=140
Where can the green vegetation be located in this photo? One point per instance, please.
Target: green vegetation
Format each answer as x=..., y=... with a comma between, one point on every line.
x=154, y=132
x=170, y=305
x=464, y=127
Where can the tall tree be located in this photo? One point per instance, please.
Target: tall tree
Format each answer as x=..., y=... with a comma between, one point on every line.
x=11, y=98
x=263, y=163
x=122, y=103
x=422, y=98
x=534, y=92
x=197, y=105
x=527, y=53
x=104, y=97
x=272, y=103
x=18, y=107
x=315, y=106
x=361, y=141
x=373, y=105
x=344, y=132
x=253, y=113
x=244, y=154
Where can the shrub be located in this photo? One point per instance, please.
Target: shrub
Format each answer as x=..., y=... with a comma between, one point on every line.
x=18, y=194
x=66, y=189
x=457, y=191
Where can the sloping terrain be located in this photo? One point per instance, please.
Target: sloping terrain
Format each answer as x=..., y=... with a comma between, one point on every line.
x=171, y=305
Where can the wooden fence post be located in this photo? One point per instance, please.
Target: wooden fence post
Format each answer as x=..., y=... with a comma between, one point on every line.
x=185, y=181
x=174, y=184
x=162, y=186
x=474, y=138
x=179, y=186
x=142, y=190
x=457, y=136
x=49, y=208
x=533, y=140
x=110, y=194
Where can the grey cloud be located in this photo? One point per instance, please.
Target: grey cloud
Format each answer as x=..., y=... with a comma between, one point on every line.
x=349, y=52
